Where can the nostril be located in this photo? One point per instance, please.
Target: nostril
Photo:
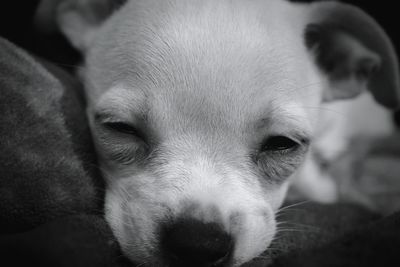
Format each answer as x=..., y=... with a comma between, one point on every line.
x=189, y=242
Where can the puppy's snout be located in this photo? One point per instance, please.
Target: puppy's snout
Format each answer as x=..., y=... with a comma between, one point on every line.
x=189, y=242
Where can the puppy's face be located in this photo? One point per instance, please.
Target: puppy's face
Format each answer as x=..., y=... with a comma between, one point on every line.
x=201, y=113
x=198, y=120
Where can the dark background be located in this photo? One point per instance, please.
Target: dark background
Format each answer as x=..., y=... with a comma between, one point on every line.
x=16, y=25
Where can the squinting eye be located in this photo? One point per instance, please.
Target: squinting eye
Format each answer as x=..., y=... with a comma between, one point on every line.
x=122, y=127
x=279, y=143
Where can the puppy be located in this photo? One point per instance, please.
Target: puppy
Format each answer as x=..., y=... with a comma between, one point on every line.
x=203, y=112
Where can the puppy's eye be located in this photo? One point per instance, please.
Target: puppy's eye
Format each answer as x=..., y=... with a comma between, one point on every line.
x=280, y=144
x=122, y=127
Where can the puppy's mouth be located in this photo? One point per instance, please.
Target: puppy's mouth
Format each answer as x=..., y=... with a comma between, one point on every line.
x=191, y=242
x=199, y=226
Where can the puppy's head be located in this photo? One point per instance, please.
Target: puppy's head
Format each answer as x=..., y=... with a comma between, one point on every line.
x=201, y=112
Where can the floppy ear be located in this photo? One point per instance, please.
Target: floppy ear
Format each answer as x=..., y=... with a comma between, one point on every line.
x=354, y=52
x=77, y=19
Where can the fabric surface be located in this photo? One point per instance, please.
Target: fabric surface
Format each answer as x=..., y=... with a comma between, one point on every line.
x=74, y=240
x=368, y=245
x=46, y=162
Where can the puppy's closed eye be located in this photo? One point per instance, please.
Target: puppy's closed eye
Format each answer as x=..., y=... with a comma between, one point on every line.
x=279, y=143
x=124, y=128
x=279, y=156
x=121, y=142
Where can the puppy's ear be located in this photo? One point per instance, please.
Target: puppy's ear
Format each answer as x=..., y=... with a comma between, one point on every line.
x=354, y=52
x=77, y=19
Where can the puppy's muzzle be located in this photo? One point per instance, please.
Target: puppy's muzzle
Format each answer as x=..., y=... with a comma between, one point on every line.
x=191, y=242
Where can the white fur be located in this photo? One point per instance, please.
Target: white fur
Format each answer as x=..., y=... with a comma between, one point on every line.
x=206, y=76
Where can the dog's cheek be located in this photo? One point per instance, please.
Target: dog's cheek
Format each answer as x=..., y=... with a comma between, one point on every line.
x=254, y=235
x=254, y=226
x=256, y=230
x=133, y=217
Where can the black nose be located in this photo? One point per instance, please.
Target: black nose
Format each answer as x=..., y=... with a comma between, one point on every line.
x=189, y=242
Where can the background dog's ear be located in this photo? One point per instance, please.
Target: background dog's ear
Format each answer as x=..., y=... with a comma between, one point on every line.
x=77, y=19
x=354, y=51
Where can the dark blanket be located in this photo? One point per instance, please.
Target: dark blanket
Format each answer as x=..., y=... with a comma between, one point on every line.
x=46, y=159
x=334, y=236
x=367, y=245
x=51, y=193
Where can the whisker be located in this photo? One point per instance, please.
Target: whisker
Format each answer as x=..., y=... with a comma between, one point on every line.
x=292, y=206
